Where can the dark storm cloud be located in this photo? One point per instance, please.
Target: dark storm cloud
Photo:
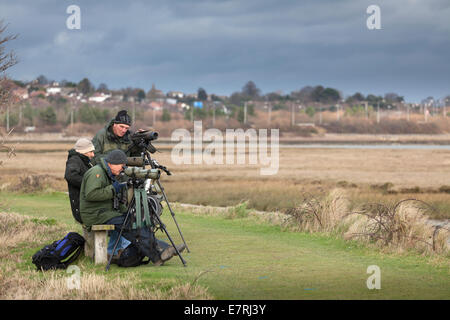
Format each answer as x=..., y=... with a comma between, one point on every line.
x=220, y=45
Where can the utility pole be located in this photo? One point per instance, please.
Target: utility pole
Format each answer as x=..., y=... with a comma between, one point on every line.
x=320, y=116
x=71, y=118
x=270, y=114
x=7, y=118
x=20, y=115
x=367, y=109
x=378, y=112
x=245, y=112
x=292, y=114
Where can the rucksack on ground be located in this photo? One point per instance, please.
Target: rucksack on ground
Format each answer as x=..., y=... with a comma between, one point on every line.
x=60, y=254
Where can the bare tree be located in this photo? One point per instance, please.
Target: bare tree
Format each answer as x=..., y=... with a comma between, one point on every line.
x=7, y=60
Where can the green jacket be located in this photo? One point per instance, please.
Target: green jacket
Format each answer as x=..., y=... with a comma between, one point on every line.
x=105, y=141
x=96, y=196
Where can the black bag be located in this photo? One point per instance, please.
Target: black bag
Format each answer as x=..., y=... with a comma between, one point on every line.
x=131, y=256
x=59, y=254
x=144, y=240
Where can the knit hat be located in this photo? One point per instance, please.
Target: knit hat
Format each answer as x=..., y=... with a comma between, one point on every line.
x=84, y=145
x=116, y=157
x=123, y=117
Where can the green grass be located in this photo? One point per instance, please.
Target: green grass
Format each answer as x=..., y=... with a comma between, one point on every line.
x=242, y=258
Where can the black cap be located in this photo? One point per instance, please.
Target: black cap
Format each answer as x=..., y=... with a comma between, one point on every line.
x=116, y=157
x=123, y=117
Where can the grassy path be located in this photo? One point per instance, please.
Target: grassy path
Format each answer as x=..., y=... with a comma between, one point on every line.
x=246, y=259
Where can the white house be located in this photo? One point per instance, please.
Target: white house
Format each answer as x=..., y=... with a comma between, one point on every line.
x=99, y=97
x=175, y=94
x=53, y=90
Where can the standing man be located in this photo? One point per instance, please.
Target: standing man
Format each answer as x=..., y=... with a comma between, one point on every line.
x=78, y=162
x=115, y=135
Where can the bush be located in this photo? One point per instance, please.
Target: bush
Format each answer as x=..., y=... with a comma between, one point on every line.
x=238, y=211
x=91, y=115
x=165, y=116
x=400, y=226
x=48, y=116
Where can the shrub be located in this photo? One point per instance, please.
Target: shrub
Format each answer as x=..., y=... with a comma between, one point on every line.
x=401, y=226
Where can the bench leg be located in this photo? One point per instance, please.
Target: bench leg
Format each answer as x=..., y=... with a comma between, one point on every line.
x=89, y=243
x=100, y=247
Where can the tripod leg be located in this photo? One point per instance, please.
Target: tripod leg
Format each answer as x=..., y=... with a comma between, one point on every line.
x=163, y=227
x=172, y=213
x=118, y=238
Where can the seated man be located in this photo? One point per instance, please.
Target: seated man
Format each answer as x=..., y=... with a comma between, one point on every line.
x=97, y=193
x=78, y=162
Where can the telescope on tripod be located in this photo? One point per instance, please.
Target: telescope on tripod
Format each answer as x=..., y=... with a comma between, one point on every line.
x=144, y=192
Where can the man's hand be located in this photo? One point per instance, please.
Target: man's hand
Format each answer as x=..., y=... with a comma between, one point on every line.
x=118, y=186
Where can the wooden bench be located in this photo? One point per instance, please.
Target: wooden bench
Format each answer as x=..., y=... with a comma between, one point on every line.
x=96, y=243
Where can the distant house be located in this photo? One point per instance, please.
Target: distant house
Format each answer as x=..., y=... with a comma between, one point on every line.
x=21, y=93
x=53, y=90
x=171, y=101
x=75, y=95
x=175, y=94
x=67, y=91
x=99, y=97
x=184, y=106
x=117, y=97
x=156, y=105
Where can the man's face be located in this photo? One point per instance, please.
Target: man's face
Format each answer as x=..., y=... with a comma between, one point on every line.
x=120, y=129
x=89, y=154
x=116, y=168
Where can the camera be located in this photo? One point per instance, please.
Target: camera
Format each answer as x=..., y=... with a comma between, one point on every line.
x=142, y=140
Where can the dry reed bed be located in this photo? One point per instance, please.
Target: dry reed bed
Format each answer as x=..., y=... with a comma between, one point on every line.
x=18, y=232
x=400, y=227
x=403, y=168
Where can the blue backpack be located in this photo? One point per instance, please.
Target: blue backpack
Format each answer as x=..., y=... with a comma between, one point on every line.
x=59, y=254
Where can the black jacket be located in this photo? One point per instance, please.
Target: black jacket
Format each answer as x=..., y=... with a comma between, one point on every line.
x=77, y=164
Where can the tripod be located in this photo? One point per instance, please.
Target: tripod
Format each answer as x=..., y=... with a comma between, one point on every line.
x=139, y=202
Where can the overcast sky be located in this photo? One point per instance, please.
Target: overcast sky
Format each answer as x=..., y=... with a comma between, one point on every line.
x=220, y=45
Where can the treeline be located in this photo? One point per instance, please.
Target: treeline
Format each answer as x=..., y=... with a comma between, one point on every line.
x=249, y=92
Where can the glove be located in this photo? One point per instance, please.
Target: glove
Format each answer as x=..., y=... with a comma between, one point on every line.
x=118, y=186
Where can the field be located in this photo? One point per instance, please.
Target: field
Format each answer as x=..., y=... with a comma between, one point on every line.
x=367, y=175
x=235, y=252
x=231, y=258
